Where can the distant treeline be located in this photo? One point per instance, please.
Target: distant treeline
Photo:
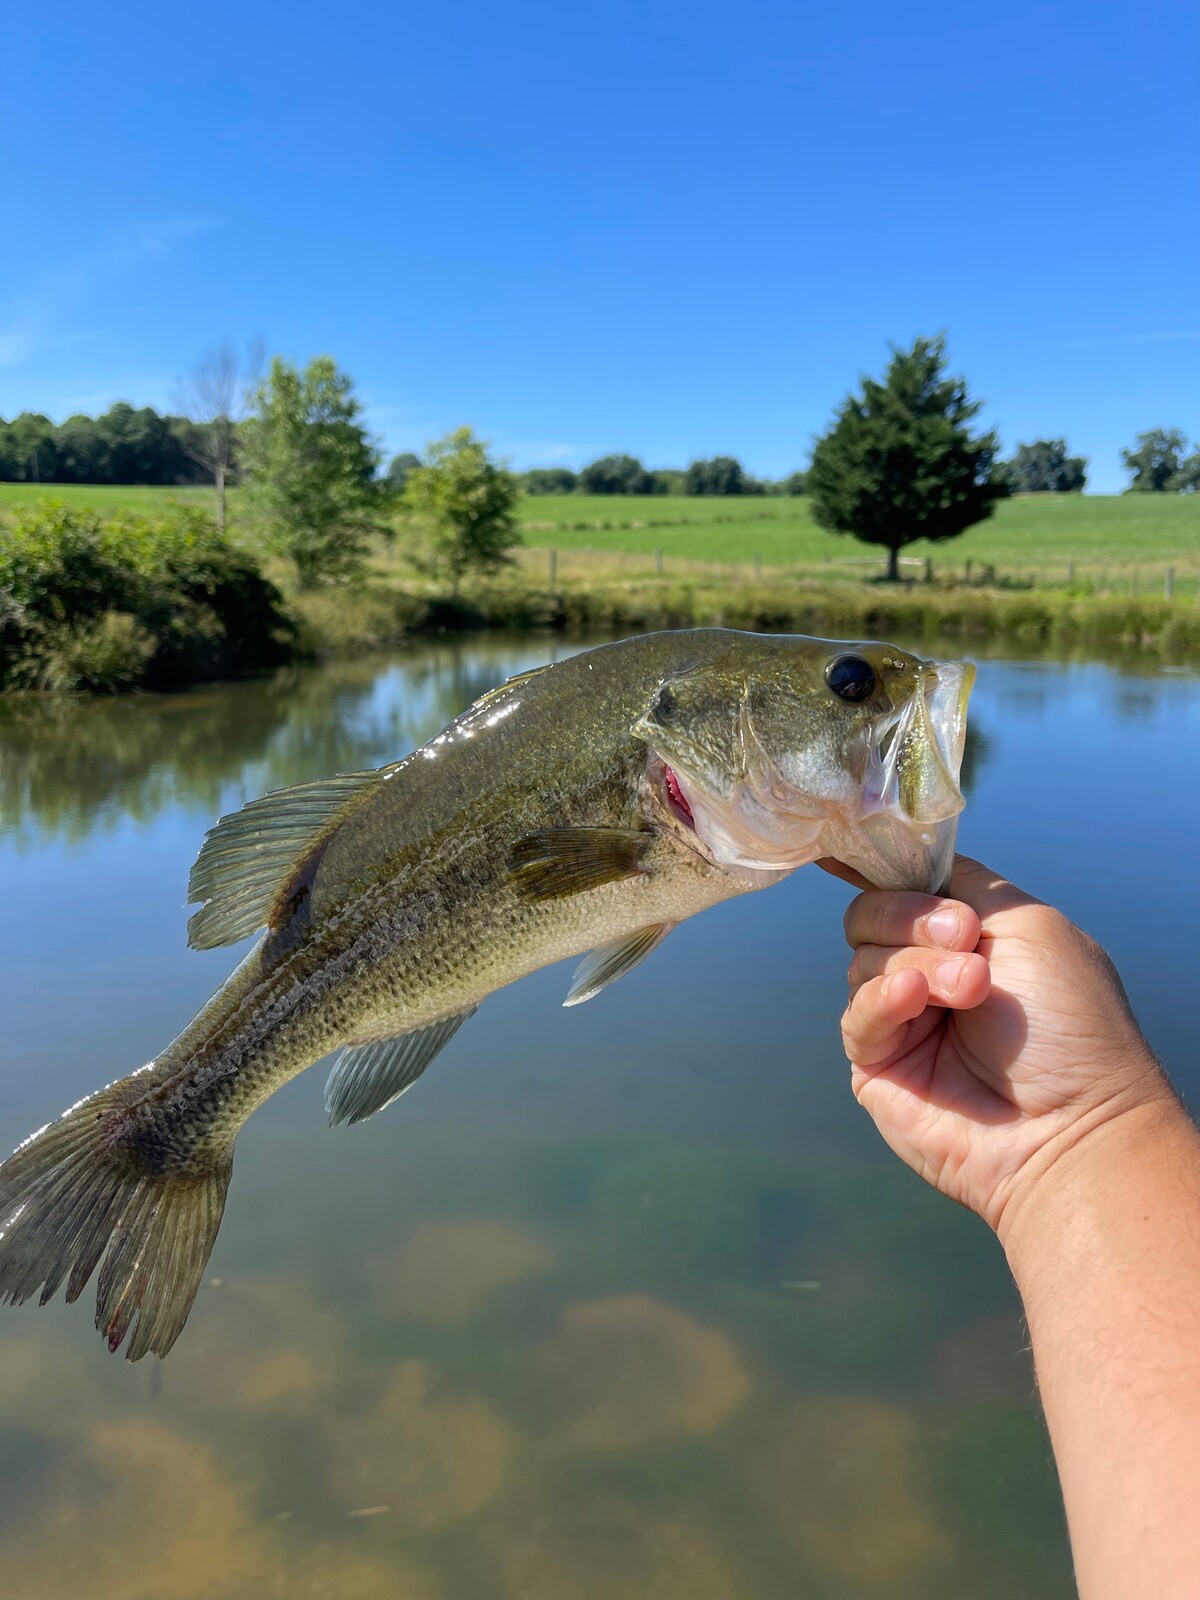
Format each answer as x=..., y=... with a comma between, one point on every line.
x=125, y=445
x=721, y=475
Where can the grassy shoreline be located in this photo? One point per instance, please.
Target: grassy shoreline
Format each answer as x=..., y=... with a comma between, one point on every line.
x=113, y=601
x=378, y=615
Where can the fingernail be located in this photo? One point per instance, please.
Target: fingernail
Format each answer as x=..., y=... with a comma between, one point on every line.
x=946, y=976
x=943, y=926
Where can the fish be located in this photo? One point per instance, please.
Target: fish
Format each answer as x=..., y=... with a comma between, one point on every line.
x=585, y=808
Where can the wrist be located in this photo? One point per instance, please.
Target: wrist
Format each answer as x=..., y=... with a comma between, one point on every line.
x=1089, y=1161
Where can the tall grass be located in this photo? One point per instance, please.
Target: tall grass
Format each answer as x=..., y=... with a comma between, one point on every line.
x=348, y=620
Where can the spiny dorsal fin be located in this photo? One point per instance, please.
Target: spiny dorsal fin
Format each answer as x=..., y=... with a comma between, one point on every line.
x=609, y=962
x=517, y=678
x=248, y=858
x=561, y=861
x=368, y=1077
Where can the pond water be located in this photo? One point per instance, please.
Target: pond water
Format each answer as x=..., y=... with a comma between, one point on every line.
x=627, y=1300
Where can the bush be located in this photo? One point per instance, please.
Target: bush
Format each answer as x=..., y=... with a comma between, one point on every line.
x=119, y=601
x=107, y=655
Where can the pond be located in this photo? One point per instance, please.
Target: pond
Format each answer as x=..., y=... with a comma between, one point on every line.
x=627, y=1300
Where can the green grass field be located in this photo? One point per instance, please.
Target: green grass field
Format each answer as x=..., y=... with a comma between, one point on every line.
x=1035, y=535
x=1117, y=543
x=105, y=497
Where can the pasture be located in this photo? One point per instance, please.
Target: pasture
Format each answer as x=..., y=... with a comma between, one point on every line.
x=1119, y=544
x=1122, y=542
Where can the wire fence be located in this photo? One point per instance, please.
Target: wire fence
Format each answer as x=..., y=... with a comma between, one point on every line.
x=561, y=567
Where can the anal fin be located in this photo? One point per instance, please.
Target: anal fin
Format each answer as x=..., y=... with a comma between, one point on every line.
x=562, y=861
x=367, y=1077
x=609, y=962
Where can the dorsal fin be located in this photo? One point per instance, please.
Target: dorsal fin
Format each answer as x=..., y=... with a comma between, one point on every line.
x=489, y=695
x=249, y=857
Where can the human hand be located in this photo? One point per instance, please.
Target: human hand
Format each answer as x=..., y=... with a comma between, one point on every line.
x=987, y=1035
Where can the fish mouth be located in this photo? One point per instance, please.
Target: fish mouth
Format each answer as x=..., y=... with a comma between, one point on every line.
x=911, y=796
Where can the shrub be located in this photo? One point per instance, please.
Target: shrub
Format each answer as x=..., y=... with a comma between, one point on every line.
x=106, y=655
x=67, y=574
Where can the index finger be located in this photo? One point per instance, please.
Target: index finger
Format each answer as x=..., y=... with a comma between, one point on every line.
x=902, y=917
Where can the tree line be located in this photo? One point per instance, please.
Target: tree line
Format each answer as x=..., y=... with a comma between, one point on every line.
x=624, y=474
x=123, y=446
x=200, y=444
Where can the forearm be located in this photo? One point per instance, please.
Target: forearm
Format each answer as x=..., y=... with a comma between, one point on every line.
x=1105, y=1248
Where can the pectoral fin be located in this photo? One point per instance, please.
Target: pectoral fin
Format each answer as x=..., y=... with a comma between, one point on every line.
x=612, y=961
x=562, y=861
x=368, y=1077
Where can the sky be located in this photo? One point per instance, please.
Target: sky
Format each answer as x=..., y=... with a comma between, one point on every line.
x=672, y=229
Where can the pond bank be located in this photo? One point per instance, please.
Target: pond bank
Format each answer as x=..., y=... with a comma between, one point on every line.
x=374, y=616
x=119, y=650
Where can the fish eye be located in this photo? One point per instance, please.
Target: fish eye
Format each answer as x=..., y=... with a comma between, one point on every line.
x=851, y=678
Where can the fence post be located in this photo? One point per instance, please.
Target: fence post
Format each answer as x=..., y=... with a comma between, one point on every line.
x=1169, y=586
x=553, y=566
x=658, y=563
x=1070, y=572
x=928, y=569
x=757, y=567
x=968, y=572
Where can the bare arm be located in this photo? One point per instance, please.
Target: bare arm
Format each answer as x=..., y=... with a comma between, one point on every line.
x=996, y=1052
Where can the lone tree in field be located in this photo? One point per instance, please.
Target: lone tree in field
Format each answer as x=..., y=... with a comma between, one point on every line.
x=1044, y=467
x=900, y=462
x=213, y=399
x=311, y=468
x=464, y=506
x=1154, y=459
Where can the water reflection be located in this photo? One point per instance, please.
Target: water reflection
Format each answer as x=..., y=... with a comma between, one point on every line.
x=70, y=766
x=620, y=1302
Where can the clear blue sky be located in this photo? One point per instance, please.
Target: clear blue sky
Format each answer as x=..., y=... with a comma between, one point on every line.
x=674, y=229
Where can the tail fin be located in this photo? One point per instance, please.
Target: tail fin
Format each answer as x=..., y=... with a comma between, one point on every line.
x=80, y=1187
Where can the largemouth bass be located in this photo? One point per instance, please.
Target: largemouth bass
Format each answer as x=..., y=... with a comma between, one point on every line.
x=588, y=806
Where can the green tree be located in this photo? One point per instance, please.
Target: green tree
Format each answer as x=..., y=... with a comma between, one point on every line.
x=1044, y=467
x=28, y=450
x=549, y=480
x=399, y=468
x=1187, y=479
x=617, y=475
x=900, y=462
x=1153, y=459
x=82, y=450
x=795, y=483
x=464, y=505
x=311, y=469
x=140, y=446
x=721, y=475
